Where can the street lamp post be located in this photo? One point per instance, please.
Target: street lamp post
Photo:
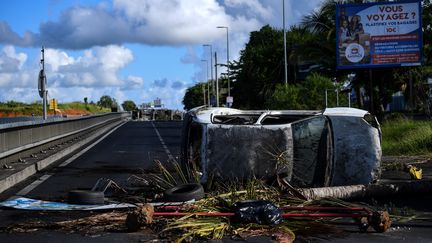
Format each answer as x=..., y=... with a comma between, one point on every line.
x=217, y=84
x=208, y=85
x=228, y=70
x=285, y=51
x=211, y=66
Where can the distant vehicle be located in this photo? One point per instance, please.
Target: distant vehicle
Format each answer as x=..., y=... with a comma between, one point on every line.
x=336, y=146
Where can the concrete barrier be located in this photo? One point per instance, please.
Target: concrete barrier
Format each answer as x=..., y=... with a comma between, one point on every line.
x=21, y=136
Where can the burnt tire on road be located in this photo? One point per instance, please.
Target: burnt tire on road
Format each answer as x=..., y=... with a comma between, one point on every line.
x=84, y=197
x=185, y=192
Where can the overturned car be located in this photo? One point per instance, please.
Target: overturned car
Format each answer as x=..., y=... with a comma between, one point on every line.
x=336, y=146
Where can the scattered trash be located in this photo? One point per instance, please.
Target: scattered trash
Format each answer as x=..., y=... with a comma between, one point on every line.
x=34, y=204
x=184, y=192
x=415, y=173
x=380, y=221
x=139, y=217
x=85, y=197
x=257, y=211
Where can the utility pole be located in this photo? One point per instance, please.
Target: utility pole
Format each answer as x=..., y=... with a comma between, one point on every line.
x=42, y=84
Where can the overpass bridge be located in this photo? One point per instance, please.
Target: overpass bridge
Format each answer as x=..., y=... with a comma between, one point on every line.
x=30, y=146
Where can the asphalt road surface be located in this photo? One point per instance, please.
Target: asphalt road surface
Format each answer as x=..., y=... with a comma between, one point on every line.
x=127, y=151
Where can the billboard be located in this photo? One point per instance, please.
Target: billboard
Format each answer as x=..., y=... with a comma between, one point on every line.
x=372, y=35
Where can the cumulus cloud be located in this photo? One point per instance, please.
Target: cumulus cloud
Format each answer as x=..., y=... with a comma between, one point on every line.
x=153, y=22
x=160, y=83
x=11, y=73
x=90, y=75
x=134, y=82
x=96, y=68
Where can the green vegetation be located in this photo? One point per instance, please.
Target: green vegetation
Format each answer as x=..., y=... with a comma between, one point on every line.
x=22, y=109
x=92, y=108
x=129, y=105
x=194, y=96
x=407, y=137
x=13, y=107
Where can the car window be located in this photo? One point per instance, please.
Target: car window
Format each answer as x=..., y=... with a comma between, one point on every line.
x=310, y=140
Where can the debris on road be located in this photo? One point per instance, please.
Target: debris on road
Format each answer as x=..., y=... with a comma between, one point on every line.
x=34, y=204
x=141, y=216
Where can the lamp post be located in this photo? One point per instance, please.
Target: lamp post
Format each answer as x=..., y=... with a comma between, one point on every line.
x=285, y=51
x=208, y=85
x=228, y=71
x=211, y=66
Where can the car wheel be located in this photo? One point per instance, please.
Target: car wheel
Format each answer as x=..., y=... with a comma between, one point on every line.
x=183, y=193
x=84, y=197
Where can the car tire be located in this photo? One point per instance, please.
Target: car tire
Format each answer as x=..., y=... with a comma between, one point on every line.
x=84, y=197
x=183, y=193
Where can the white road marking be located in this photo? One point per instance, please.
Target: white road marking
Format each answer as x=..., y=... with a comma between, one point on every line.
x=32, y=186
x=43, y=178
x=170, y=157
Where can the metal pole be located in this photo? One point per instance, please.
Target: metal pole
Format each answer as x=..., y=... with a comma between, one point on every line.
x=44, y=92
x=228, y=70
x=217, y=83
x=337, y=97
x=204, y=93
x=349, y=99
x=285, y=49
x=211, y=66
x=371, y=107
x=326, y=103
x=208, y=83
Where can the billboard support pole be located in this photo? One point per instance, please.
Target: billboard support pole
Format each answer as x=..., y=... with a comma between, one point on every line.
x=411, y=94
x=371, y=100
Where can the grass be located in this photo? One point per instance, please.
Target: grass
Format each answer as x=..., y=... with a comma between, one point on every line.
x=13, y=107
x=407, y=137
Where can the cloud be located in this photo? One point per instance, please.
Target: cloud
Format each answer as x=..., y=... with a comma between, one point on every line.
x=133, y=82
x=11, y=73
x=178, y=85
x=171, y=93
x=152, y=22
x=160, y=83
x=94, y=73
x=96, y=68
x=190, y=57
x=251, y=8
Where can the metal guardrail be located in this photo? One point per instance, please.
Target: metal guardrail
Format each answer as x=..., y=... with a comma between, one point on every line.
x=21, y=136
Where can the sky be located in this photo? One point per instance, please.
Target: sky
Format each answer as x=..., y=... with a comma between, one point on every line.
x=135, y=50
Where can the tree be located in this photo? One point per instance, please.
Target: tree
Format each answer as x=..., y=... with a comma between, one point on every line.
x=107, y=102
x=128, y=105
x=259, y=69
x=193, y=96
x=285, y=97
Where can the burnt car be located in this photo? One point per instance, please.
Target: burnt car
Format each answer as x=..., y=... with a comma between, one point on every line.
x=332, y=147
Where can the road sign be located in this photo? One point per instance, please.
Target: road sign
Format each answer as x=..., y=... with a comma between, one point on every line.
x=53, y=104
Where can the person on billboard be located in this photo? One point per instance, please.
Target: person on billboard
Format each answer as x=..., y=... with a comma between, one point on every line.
x=344, y=32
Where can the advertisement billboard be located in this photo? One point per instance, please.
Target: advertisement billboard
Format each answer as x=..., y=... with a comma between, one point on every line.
x=373, y=35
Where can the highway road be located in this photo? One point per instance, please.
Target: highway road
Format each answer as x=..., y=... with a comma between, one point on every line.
x=126, y=151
